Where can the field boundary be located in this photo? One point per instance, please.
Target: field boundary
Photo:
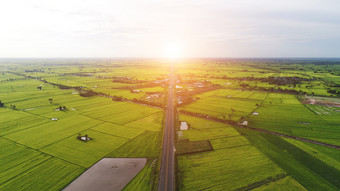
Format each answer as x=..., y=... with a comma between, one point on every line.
x=42, y=152
x=204, y=116
x=262, y=182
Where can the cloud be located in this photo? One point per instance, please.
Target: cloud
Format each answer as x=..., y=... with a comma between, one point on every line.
x=223, y=28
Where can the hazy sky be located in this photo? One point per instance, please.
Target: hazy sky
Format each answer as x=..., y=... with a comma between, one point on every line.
x=139, y=28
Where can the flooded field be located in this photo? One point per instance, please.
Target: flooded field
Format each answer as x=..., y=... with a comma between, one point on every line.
x=108, y=174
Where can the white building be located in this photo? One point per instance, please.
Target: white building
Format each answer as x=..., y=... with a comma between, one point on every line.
x=184, y=126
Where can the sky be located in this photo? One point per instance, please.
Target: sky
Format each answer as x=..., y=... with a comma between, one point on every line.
x=152, y=28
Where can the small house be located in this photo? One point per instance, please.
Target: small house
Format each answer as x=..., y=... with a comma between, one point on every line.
x=184, y=126
x=136, y=91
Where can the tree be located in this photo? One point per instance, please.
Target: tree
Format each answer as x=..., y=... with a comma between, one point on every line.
x=50, y=100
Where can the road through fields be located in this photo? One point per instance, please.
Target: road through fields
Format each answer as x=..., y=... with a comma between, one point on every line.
x=167, y=170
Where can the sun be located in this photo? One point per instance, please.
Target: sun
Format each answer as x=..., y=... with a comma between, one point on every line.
x=173, y=51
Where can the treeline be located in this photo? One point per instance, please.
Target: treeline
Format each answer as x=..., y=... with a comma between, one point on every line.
x=138, y=101
x=139, y=86
x=87, y=93
x=2, y=104
x=10, y=106
x=61, y=86
x=127, y=80
x=85, y=74
x=334, y=91
x=271, y=79
x=285, y=80
x=274, y=90
x=186, y=97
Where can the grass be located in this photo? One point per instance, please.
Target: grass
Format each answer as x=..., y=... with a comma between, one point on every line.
x=211, y=133
x=285, y=114
x=85, y=153
x=286, y=184
x=118, y=130
x=229, y=142
x=152, y=122
x=228, y=169
x=12, y=121
x=309, y=171
x=147, y=144
x=48, y=133
x=130, y=116
x=185, y=146
x=328, y=155
x=201, y=129
x=43, y=176
x=228, y=104
x=146, y=179
x=12, y=156
x=233, y=164
x=22, y=168
x=200, y=124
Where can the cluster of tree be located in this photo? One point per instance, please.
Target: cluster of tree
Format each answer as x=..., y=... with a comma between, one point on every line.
x=186, y=96
x=140, y=101
x=88, y=93
x=272, y=80
x=62, y=108
x=35, y=70
x=139, y=86
x=333, y=91
x=244, y=85
x=61, y=86
x=117, y=98
x=288, y=68
x=279, y=90
x=11, y=79
x=80, y=74
x=151, y=93
x=127, y=80
x=84, y=138
x=205, y=116
x=39, y=88
x=12, y=106
x=284, y=80
x=2, y=104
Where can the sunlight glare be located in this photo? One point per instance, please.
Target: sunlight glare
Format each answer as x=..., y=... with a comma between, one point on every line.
x=173, y=51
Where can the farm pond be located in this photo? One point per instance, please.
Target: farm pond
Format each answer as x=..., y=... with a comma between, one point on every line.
x=108, y=174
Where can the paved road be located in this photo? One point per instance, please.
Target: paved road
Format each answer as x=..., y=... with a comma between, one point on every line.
x=167, y=171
